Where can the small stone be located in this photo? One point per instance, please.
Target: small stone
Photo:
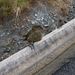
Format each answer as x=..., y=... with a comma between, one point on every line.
x=23, y=26
x=8, y=33
x=3, y=34
x=33, y=22
x=28, y=19
x=35, y=15
x=42, y=22
x=52, y=20
x=9, y=48
x=42, y=18
x=38, y=19
x=2, y=58
x=46, y=25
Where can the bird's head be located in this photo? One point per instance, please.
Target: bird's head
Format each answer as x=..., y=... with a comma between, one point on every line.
x=37, y=27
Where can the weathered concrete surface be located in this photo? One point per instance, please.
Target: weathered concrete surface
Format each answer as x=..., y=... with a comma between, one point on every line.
x=67, y=67
x=28, y=62
x=53, y=68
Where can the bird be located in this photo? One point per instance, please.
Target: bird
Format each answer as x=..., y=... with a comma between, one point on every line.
x=34, y=35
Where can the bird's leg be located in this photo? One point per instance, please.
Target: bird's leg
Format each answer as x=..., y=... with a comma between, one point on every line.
x=32, y=46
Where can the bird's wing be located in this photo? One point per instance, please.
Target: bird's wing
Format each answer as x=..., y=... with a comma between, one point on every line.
x=34, y=36
x=27, y=35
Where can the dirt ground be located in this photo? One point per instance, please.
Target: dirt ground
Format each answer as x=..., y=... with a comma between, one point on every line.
x=39, y=13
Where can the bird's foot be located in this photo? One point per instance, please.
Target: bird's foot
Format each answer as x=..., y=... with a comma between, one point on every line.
x=32, y=47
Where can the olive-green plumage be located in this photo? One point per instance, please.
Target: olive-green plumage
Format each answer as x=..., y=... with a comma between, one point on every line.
x=34, y=35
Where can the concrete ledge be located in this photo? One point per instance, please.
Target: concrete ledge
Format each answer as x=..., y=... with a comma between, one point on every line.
x=29, y=62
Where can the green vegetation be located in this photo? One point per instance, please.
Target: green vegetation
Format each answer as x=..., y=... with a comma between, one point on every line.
x=8, y=7
x=22, y=3
x=5, y=7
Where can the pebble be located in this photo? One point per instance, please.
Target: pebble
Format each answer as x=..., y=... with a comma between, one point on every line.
x=52, y=20
x=36, y=15
x=33, y=22
x=2, y=34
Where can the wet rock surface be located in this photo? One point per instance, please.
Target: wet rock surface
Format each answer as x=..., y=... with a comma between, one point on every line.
x=11, y=33
x=67, y=68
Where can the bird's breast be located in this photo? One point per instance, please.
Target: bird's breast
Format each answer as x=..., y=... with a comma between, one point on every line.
x=35, y=36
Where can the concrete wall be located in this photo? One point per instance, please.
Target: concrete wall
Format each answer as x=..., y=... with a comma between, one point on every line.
x=57, y=63
x=49, y=49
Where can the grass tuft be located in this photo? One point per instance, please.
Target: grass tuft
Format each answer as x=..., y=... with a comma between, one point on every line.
x=7, y=7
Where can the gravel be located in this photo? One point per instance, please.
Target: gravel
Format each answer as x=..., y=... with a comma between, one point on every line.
x=11, y=33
